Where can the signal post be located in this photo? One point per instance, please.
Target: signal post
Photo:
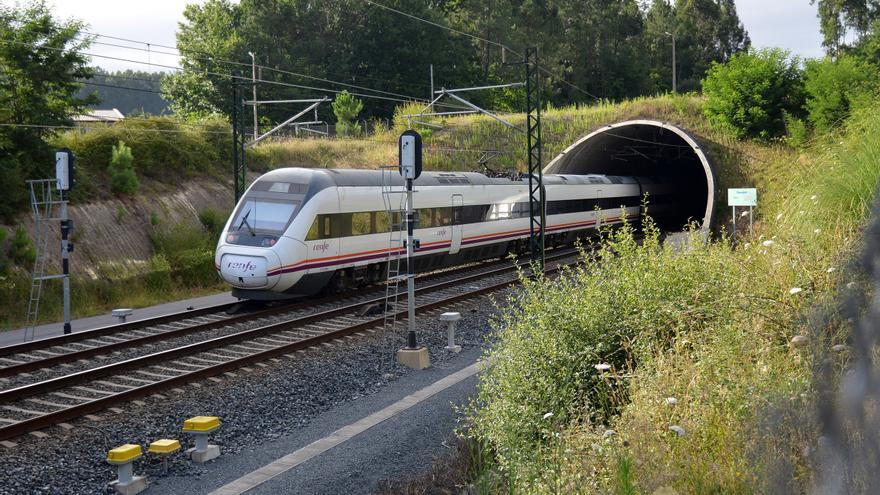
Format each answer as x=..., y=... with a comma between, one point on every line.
x=410, y=167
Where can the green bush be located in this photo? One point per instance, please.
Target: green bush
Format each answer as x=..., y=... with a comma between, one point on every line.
x=123, y=180
x=346, y=108
x=552, y=367
x=834, y=87
x=167, y=151
x=750, y=93
x=213, y=221
x=21, y=249
x=188, y=251
x=797, y=130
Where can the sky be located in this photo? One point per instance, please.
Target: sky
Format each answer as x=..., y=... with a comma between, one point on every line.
x=790, y=24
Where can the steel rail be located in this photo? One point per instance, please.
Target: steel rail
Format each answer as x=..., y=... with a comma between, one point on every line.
x=110, y=329
x=10, y=395
x=67, y=357
x=53, y=418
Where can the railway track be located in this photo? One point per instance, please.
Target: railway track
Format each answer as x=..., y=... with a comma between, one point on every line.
x=50, y=402
x=45, y=354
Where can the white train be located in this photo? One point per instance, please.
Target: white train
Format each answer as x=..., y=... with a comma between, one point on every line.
x=297, y=231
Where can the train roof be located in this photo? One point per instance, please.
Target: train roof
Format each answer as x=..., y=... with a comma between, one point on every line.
x=377, y=178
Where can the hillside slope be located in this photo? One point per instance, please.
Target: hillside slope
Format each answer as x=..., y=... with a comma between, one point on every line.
x=116, y=238
x=691, y=370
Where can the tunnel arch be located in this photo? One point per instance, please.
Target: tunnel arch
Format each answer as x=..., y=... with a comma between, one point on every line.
x=648, y=148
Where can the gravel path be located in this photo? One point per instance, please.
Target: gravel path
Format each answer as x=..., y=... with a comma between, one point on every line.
x=256, y=405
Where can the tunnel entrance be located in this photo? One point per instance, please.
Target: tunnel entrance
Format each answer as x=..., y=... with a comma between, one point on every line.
x=651, y=149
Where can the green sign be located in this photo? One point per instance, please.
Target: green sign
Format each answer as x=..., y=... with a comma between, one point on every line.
x=742, y=197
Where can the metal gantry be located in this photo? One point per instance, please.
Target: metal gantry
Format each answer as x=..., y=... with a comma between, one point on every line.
x=537, y=216
x=239, y=139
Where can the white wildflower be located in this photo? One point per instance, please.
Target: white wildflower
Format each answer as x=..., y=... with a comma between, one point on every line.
x=794, y=290
x=817, y=231
x=743, y=214
x=747, y=245
x=671, y=401
x=768, y=243
x=813, y=197
x=830, y=269
x=548, y=415
x=678, y=430
x=602, y=367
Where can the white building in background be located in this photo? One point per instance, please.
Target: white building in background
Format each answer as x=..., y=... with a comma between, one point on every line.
x=99, y=116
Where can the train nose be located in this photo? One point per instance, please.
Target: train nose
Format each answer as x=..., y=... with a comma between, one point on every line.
x=246, y=271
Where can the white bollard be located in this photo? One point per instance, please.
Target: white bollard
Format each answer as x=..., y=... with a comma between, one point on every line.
x=451, y=319
x=121, y=314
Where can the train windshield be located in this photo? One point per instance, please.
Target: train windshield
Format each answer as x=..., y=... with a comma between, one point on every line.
x=263, y=216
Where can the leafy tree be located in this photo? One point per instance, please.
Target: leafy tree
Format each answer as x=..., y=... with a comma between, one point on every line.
x=346, y=108
x=601, y=48
x=209, y=34
x=752, y=92
x=833, y=87
x=340, y=40
x=838, y=17
x=123, y=179
x=41, y=63
x=659, y=20
x=707, y=31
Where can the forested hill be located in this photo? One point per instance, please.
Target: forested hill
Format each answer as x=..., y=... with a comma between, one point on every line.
x=131, y=92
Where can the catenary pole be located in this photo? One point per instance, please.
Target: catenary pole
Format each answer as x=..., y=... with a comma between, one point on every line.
x=254, y=79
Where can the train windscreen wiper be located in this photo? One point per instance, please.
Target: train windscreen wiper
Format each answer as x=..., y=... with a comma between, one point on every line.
x=245, y=222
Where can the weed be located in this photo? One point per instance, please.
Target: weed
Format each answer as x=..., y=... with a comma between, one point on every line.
x=709, y=325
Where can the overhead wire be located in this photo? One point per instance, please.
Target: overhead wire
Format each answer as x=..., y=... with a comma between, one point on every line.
x=233, y=77
x=258, y=66
x=144, y=90
x=207, y=56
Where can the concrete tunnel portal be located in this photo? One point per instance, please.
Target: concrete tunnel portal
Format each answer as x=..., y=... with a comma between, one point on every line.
x=648, y=148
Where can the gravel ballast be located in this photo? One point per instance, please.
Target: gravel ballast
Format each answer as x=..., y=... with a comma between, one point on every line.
x=256, y=405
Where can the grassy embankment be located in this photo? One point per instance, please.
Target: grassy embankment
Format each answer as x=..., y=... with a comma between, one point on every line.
x=169, y=152
x=653, y=367
x=166, y=153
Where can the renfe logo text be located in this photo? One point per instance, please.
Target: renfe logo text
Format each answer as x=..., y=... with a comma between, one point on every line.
x=241, y=266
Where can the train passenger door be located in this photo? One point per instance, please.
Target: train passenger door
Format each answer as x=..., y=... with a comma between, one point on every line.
x=457, y=203
x=598, y=211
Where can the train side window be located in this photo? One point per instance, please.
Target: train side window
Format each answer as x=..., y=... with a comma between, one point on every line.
x=457, y=215
x=314, y=230
x=340, y=225
x=361, y=223
x=320, y=228
x=444, y=216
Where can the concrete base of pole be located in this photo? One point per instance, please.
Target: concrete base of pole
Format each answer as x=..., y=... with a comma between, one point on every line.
x=136, y=485
x=212, y=452
x=416, y=359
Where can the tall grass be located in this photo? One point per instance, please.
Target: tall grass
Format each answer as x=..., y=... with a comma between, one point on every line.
x=460, y=142
x=182, y=266
x=611, y=363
